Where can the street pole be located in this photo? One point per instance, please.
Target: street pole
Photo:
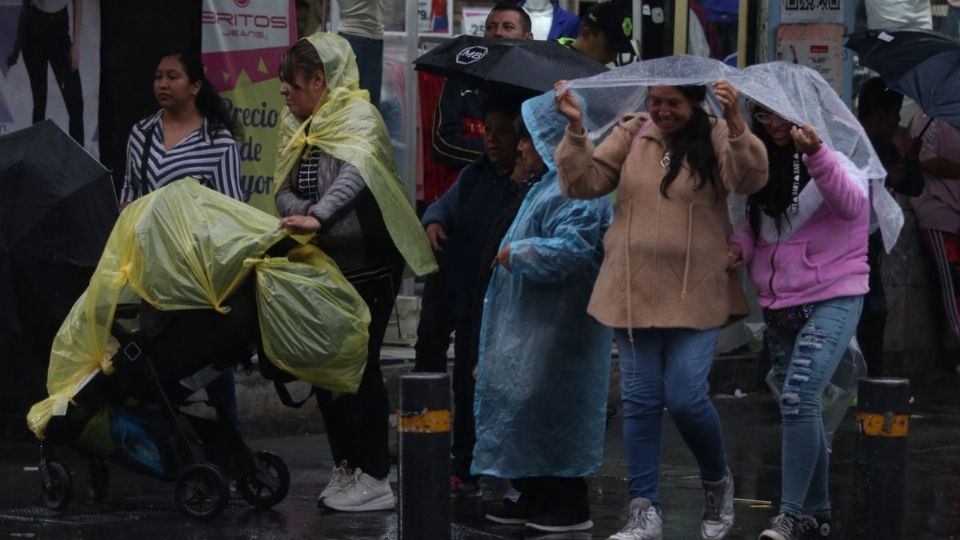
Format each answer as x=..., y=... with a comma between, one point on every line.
x=424, y=425
x=881, y=455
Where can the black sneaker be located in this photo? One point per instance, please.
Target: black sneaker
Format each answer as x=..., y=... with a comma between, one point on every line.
x=508, y=512
x=782, y=527
x=557, y=522
x=815, y=527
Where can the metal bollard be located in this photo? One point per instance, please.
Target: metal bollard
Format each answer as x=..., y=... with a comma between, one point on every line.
x=424, y=425
x=881, y=456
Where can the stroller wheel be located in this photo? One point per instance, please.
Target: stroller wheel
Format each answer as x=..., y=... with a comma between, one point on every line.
x=57, y=485
x=201, y=492
x=269, y=485
x=99, y=477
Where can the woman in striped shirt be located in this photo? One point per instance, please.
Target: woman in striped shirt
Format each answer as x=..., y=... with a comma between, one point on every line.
x=191, y=135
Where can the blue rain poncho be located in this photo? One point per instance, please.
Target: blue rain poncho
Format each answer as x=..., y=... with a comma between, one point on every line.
x=544, y=365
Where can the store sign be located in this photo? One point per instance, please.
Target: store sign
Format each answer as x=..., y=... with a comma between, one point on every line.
x=243, y=41
x=811, y=11
x=474, y=20
x=817, y=46
x=239, y=25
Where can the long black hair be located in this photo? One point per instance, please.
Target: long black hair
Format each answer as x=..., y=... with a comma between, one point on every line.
x=777, y=195
x=693, y=142
x=208, y=101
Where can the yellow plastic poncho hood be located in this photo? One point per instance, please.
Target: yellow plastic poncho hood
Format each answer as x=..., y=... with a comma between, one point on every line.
x=348, y=127
x=186, y=246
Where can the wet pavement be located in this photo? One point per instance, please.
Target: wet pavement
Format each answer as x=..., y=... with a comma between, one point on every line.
x=137, y=507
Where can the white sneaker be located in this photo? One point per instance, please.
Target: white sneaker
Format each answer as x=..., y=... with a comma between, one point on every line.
x=362, y=493
x=717, y=508
x=338, y=478
x=643, y=522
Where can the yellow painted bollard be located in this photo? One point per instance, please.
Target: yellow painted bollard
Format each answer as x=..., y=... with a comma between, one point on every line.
x=881, y=457
x=424, y=425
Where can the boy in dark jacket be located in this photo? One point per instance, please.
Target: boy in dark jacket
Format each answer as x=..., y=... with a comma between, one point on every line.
x=457, y=225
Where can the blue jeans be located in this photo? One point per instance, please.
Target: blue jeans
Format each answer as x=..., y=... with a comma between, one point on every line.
x=809, y=357
x=952, y=24
x=667, y=366
x=369, y=53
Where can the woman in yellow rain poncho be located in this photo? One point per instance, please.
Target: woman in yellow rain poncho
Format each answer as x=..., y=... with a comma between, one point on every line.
x=339, y=181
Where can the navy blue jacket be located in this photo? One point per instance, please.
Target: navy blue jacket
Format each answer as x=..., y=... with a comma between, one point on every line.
x=458, y=125
x=467, y=211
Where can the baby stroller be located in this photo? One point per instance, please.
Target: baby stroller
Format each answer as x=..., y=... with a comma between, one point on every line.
x=132, y=417
x=210, y=276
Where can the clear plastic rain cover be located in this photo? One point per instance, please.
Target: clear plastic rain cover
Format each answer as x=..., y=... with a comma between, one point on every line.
x=797, y=93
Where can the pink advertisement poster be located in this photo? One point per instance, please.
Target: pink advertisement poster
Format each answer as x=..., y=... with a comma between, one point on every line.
x=243, y=41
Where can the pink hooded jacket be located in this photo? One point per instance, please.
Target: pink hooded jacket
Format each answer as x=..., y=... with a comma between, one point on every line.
x=822, y=252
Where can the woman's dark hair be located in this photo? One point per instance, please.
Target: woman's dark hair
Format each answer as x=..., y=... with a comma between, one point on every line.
x=693, y=142
x=521, y=127
x=776, y=196
x=874, y=96
x=208, y=101
x=302, y=56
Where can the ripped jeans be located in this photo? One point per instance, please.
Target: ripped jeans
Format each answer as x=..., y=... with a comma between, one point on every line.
x=809, y=357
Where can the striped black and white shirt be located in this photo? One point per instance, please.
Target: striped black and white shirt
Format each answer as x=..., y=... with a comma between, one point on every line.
x=210, y=156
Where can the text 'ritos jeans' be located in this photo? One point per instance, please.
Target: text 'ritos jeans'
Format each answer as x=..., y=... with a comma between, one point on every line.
x=809, y=357
x=667, y=367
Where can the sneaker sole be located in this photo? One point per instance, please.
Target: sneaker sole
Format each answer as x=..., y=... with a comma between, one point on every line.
x=617, y=537
x=505, y=521
x=719, y=535
x=384, y=502
x=584, y=526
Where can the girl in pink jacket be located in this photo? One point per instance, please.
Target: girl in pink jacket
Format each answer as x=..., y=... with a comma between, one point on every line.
x=805, y=245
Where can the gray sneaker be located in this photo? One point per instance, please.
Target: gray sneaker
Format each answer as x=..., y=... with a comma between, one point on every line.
x=782, y=527
x=643, y=522
x=717, y=508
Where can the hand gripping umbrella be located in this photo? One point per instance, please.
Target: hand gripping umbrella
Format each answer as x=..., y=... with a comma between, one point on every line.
x=526, y=64
x=921, y=64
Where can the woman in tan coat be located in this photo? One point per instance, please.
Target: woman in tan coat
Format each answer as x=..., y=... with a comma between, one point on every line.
x=665, y=285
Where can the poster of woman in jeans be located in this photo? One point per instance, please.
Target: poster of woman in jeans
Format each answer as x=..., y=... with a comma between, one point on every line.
x=50, y=47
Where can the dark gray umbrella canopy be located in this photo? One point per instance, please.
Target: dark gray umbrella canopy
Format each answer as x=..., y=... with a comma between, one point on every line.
x=57, y=209
x=48, y=179
x=527, y=64
x=921, y=64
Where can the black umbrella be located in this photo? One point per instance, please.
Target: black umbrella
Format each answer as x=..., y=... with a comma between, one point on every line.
x=56, y=211
x=529, y=64
x=918, y=63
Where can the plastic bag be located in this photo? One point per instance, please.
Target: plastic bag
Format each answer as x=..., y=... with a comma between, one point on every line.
x=797, y=93
x=313, y=322
x=185, y=246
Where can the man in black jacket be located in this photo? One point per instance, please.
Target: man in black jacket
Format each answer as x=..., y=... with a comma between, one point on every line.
x=458, y=141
